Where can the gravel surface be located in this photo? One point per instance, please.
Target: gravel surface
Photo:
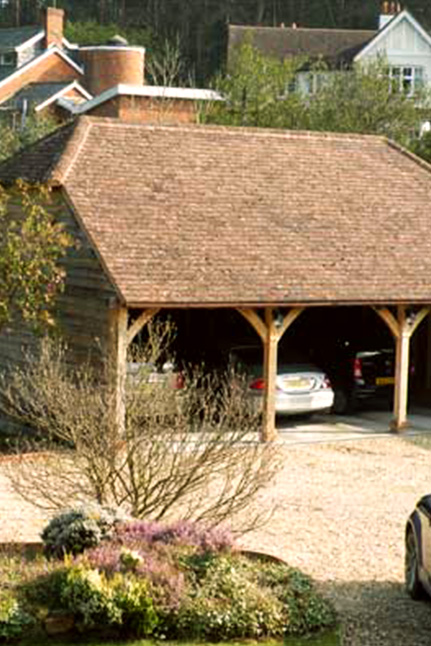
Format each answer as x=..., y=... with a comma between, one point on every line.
x=340, y=517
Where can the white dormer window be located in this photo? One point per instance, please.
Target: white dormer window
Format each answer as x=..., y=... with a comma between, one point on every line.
x=7, y=59
x=408, y=79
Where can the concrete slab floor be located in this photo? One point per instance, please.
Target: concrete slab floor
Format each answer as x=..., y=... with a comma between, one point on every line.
x=334, y=428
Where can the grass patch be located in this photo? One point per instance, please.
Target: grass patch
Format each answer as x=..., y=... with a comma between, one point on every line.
x=328, y=639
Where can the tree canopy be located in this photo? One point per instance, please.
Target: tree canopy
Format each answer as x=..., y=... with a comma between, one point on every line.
x=31, y=246
x=264, y=92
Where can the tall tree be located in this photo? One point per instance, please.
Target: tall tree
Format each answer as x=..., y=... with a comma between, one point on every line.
x=31, y=246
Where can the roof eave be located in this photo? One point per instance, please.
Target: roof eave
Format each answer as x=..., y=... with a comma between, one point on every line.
x=58, y=95
x=342, y=302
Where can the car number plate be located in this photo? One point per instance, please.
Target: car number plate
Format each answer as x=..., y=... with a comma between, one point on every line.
x=296, y=383
x=385, y=381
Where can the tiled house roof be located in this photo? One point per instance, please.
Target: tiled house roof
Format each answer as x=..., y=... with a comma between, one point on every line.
x=36, y=94
x=335, y=46
x=222, y=216
x=15, y=36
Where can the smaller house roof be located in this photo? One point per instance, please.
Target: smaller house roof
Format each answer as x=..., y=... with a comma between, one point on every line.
x=335, y=46
x=145, y=91
x=35, y=93
x=11, y=38
x=39, y=95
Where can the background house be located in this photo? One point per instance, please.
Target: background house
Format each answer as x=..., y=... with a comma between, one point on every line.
x=400, y=41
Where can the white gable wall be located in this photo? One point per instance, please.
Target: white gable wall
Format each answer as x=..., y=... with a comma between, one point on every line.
x=401, y=45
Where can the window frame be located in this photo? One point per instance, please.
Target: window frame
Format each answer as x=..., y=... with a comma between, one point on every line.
x=406, y=78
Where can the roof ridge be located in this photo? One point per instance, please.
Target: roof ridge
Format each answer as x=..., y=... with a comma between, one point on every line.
x=289, y=28
x=235, y=130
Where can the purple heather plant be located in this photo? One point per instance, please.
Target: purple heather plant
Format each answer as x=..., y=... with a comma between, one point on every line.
x=181, y=533
x=156, y=566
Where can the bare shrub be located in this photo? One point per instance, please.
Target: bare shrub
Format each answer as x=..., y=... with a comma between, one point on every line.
x=189, y=453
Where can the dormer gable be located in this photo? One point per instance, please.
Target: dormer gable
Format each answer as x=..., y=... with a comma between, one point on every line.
x=401, y=36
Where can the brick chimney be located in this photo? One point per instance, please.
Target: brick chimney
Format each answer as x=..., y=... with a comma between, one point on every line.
x=54, y=19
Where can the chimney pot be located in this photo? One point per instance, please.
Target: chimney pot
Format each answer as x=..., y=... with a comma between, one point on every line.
x=118, y=41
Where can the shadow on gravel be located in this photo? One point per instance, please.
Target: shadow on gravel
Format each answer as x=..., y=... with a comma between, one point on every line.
x=379, y=614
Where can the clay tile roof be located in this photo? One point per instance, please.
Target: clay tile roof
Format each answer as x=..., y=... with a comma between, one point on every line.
x=203, y=215
x=335, y=46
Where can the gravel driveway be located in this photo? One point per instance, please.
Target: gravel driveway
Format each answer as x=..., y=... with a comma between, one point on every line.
x=341, y=513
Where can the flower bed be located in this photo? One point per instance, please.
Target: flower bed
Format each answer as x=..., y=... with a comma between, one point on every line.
x=175, y=581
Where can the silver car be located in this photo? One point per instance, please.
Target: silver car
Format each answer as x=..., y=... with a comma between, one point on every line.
x=418, y=550
x=301, y=388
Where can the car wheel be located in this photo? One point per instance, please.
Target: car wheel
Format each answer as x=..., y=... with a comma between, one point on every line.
x=411, y=567
x=342, y=403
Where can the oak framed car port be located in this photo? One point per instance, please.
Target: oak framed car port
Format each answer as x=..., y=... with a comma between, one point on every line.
x=206, y=217
x=271, y=326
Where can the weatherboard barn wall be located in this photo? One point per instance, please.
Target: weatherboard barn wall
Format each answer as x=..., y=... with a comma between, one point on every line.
x=83, y=310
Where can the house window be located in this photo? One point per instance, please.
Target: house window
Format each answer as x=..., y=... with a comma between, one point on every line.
x=313, y=82
x=7, y=59
x=407, y=79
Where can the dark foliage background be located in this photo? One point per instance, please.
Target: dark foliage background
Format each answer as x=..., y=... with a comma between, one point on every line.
x=200, y=25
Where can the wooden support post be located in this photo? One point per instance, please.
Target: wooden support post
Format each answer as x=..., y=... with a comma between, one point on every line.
x=402, y=327
x=270, y=333
x=118, y=325
x=402, y=354
x=270, y=347
x=121, y=337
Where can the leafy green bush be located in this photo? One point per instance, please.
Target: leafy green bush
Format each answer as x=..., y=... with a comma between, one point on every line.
x=228, y=603
x=131, y=596
x=234, y=597
x=14, y=620
x=77, y=529
x=87, y=594
x=119, y=602
x=306, y=610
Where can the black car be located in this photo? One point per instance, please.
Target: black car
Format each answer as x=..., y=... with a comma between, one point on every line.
x=358, y=376
x=418, y=550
